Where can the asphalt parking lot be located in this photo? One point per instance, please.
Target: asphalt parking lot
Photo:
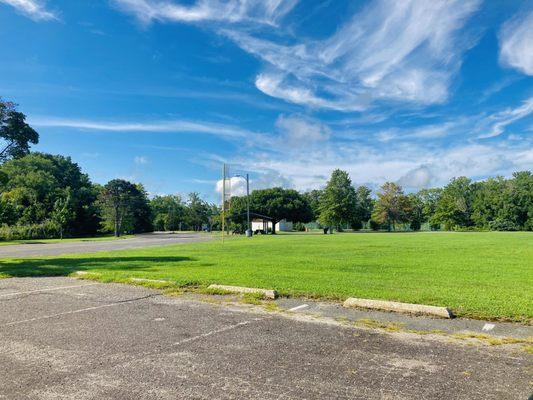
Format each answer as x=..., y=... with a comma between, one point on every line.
x=90, y=246
x=69, y=339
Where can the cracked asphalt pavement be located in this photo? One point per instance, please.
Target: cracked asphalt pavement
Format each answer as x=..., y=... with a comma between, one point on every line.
x=63, y=338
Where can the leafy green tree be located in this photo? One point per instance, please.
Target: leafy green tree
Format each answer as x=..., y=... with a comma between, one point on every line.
x=429, y=199
x=416, y=214
x=32, y=185
x=198, y=212
x=168, y=212
x=492, y=206
x=15, y=134
x=142, y=213
x=124, y=207
x=454, y=207
x=313, y=198
x=365, y=204
x=278, y=204
x=338, y=203
x=62, y=213
x=521, y=189
x=215, y=217
x=392, y=206
x=237, y=217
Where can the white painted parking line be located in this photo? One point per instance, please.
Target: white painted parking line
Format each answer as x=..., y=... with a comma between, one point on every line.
x=299, y=307
x=214, y=332
x=47, y=289
x=488, y=327
x=72, y=312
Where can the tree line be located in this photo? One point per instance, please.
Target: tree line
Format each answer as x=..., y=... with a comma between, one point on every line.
x=48, y=196
x=493, y=204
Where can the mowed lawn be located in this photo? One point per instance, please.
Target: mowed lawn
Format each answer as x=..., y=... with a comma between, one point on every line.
x=480, y=275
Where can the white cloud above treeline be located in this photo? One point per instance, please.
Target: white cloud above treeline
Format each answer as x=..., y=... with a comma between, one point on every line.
x=34, y=9
x=516, y=43
x=230, y=11
x=404, y=51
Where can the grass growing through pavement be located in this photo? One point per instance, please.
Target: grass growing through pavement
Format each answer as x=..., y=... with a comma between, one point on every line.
x=482, y=275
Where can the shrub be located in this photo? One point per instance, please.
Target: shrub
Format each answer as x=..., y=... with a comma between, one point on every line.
x=374, y=225
x=299, y=227
x=503, y=225
x=46, y=230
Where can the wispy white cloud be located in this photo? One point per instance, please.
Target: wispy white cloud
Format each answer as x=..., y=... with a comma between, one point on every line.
x=266, y=179
x=417, y=178
x=185, y=126
x=34, y=9
x=235, y=186
x=230, y=11
x=516, y=43
x=301, y=132
x=412, y=165
x=496, y=123
x=404, y=51
x=141, y=160
x=425, y=132
x=422, y=156
x=90, y=155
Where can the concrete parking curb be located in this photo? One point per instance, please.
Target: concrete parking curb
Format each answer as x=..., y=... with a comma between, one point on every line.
x=269, y=294
x=148, y=280
x=442, y=312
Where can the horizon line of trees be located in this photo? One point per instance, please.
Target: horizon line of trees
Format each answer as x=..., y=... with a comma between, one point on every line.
x=48, y=196
x=494, y=204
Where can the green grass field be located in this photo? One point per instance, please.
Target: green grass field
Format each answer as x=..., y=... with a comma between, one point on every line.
x=481, y=275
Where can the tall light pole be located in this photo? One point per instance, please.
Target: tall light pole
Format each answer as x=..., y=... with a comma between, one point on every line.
x=247, y=178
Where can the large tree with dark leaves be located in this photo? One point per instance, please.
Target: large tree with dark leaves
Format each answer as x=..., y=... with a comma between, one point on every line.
x=278, y=204
x=15, y=134
x=338, y=203
x=125, y=207
x=35, y=187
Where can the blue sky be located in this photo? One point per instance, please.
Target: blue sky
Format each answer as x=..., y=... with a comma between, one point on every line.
x=164, y=91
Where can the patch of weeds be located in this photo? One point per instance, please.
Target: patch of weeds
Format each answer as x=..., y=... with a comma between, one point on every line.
x=152, y=285
x=271, y=306
x=505, y=340
x=213, y=291
x=252, y=298
x=343, y=320
x=528, y=349
x=431, y=332
x=212, y=300
x=470, y=335
x=174, y=292
x=493, y=341
x=387, y=326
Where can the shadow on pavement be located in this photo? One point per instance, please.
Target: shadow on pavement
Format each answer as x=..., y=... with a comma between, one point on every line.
x=23, y=268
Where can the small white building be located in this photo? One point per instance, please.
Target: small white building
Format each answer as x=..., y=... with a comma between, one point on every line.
x=281, y=226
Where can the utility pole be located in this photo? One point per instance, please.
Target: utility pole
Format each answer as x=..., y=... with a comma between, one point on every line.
x=223, y=199
x=249, y=230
